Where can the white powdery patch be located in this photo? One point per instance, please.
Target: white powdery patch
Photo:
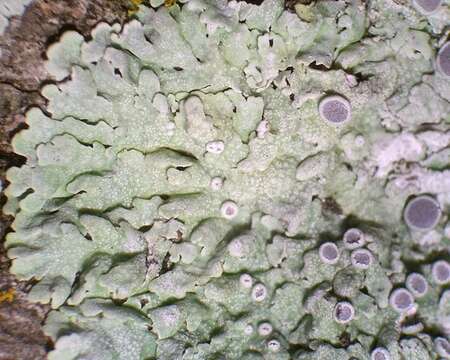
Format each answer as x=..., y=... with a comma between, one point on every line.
x=351, y=80
x=262, y=129
x=424, y=181
x=216, y=183
x=240, y=246
x=215, y=147
x=429, y=238
x=248, y=330
x=302, y=99
x=265, y=329
x=434, y=140
x=390, y=150
x=246, y=281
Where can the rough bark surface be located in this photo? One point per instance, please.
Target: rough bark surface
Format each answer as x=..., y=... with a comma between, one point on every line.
x=22, y=73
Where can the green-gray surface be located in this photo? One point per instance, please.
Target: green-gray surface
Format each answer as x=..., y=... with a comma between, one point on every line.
x=181, y=181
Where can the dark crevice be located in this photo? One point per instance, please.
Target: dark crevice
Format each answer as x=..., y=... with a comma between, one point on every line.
x=147, y=37
x=143, y=302
x=181, y=168
x=46, y=82
x=353, y=221
x=180, y=152
x=145, y=228
x=348, y=166
x=12, y=159
x=254, y=2
x=49, y=345
x=75, y=282
x=344, y=339
x=119, y=301
x=415, y=265
x=319, y=67
x=166, y=265
x=361, y=77
x=329, y=204
x=365, y=291
x=15, y=86
x=46, y=112
x=21, y=126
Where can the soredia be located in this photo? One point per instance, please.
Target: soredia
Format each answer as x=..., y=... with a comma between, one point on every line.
x=188, y=170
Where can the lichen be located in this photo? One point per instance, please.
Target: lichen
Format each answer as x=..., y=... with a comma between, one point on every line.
x=186, y=196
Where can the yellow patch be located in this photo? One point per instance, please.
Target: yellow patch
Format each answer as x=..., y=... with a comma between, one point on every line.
x=134, y=8
x=7, y=295
x=169, y=3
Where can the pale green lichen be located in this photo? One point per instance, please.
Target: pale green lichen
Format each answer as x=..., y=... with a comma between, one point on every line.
x=181, y=182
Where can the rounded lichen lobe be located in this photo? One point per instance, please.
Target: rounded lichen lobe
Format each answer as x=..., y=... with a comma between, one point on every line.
x=422, y=213
x=442, y=347
x=335, y=109
x=347, y=282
